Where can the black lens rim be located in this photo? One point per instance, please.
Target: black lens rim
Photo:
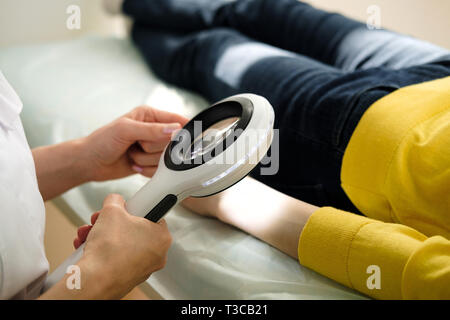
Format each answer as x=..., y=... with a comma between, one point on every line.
x=237, y=107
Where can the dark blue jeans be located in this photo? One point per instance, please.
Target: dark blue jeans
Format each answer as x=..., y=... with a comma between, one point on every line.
x=321, y=71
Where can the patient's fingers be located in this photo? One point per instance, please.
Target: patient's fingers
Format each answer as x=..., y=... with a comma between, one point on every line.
x=144, y=159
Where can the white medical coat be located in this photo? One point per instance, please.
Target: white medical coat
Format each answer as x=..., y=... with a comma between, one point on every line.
x=23, y=265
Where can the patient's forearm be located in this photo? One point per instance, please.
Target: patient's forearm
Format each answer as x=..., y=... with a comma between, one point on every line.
x=59, y=167
x=266, y=214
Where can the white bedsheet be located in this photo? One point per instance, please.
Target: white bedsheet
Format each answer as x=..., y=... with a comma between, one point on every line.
x=71, y=88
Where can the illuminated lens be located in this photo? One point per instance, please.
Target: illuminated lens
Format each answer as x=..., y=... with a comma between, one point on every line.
x=241, y=161
x=211, y=138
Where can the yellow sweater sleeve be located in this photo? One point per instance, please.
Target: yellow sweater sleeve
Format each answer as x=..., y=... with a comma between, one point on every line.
x=355, y=250
x=395, y=170
x=396, y=165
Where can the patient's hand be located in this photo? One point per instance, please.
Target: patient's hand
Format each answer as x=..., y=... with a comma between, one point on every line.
x=131, y=144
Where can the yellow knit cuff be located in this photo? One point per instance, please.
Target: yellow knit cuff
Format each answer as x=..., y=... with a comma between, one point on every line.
x=325, y=241
x=361, y=253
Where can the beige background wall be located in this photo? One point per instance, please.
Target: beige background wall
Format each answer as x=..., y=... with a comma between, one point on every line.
x=34, y=21
x=424, y=19
x=26, y=21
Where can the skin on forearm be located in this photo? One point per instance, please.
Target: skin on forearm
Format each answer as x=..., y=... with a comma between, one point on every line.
x=266, y=214
x=60, y=167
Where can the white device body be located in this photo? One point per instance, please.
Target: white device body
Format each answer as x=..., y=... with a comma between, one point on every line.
x=206, y=179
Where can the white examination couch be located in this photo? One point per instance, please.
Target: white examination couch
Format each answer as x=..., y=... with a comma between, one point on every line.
x=71, y=88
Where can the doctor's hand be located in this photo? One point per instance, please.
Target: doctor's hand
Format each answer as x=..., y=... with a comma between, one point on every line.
x=131, y=144
x=121, y=250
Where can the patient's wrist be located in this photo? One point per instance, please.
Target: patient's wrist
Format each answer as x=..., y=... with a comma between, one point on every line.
x=83, y=164
x=219, y=207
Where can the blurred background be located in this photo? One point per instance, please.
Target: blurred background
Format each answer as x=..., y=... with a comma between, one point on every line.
x=26, y=22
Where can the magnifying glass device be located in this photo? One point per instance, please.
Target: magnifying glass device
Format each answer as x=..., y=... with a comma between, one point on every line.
x=213, y=151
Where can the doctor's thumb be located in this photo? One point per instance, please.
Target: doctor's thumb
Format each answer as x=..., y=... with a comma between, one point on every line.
x=114, y=200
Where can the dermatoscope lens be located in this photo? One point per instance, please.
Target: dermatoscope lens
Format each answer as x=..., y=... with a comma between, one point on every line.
x=211, y=138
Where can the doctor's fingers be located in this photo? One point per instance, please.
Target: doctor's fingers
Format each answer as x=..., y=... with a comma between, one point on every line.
x=84, y=230
x=149, y=114
x=154, y=147
x=82, y=234
x=94, y=217
x=113, y=206
x=133, y=130
x=163, y=224
x=114, y=200
x=145, y=171
x=144, y=159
